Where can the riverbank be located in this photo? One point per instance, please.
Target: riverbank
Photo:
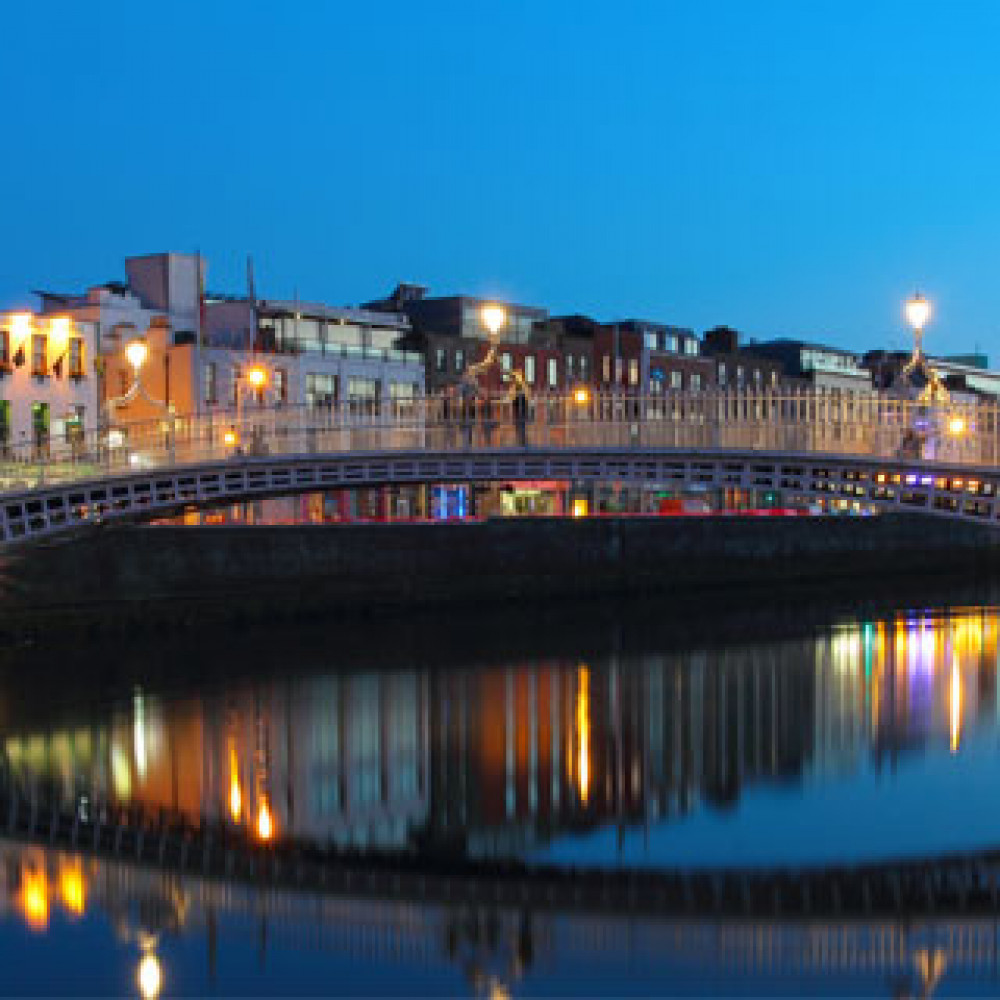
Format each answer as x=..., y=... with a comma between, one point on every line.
x=127, y=578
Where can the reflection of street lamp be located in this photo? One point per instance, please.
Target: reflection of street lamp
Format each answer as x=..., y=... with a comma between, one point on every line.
x=150, y=976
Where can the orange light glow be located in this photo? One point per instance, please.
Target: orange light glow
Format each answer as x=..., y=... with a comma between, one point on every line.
x=34, y=898
x=579, y=506
x=230, y=438
x=583, y=733
x=235, y=794
x=265, y=826
x=956, y=706
x=581, y=395
x=59, y=335
x=256, y=377
x=72, y=889
x=20, y=328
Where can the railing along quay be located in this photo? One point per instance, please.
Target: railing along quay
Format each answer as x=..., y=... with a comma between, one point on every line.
x=955, y=885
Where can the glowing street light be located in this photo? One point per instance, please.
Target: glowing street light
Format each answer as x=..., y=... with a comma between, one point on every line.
x=581, y=395
x=136, y=353
x=494, y=317
x=918, y=312
x=256, y=377
x=956, y=426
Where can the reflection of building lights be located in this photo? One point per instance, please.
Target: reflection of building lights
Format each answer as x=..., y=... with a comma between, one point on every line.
x=72, y=890
x=235, y=794
x=34, y=898
x=139, y=733
x=579, y=506
x=583, y=733
x=265, y=825
x=956, y=705
x=150, y=976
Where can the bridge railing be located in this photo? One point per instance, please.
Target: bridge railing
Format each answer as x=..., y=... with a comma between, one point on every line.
x=801, y=422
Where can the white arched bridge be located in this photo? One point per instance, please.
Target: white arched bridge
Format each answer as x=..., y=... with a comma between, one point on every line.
x=882, y=452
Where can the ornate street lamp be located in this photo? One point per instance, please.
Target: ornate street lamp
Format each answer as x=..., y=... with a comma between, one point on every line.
x=918, y=312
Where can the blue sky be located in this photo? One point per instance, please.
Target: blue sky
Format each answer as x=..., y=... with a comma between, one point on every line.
x=789, y=167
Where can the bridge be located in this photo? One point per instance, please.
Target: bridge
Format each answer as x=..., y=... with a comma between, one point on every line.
x=879, y=451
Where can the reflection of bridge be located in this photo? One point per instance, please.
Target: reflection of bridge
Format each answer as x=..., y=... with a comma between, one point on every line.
x=808, y=445
x=517, y=934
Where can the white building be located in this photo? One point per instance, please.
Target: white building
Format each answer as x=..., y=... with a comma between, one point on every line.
x=49, y=392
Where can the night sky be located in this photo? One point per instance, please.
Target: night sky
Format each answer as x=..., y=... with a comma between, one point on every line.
x=792, y=168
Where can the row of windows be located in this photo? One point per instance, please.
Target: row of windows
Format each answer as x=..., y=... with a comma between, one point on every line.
x=40, y=355
x=741, y=376
x=576, y=365
x=69, y=427
x=656, y=340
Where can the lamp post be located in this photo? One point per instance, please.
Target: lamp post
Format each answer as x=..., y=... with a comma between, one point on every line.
x=918, y=312
x=137, y=353
x=255, y=378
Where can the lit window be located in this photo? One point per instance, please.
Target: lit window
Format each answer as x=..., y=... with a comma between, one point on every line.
x=722, y=373
x=691, y=346
x=5, y=347
x=695, y=380
x=39, y=354
x=651, y=340
x=76, y=357
x=619, y=369
x=459, y=359
x=506, y=361
x=670, y=342
x=676, y=380
x=607, y=368
x=529, y=369
x=553, y=373
x=633, y=371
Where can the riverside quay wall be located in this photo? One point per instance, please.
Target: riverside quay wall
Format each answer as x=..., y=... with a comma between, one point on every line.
x=330, y=569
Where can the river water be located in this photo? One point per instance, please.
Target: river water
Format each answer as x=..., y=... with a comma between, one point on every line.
x=636, y=737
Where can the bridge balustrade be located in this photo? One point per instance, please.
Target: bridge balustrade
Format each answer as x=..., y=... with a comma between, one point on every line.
x=746, y=420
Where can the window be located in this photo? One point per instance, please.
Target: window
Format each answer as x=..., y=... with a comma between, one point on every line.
x=553, y=373
x=74, y=425
x=569, y=368
x=583, y=367
x=670, y=342
x=40, y=424
x=757, y=376
x=739, y=374
x=363, y=395
x=123, y=381
x=4, y=422
x=39, y=355
x=440, y=359
x=774, y=377
x=607, y=368
x=280, y=385
x=76, y=357
x=619, y=369
x=529, y=369
x=650, y=340
x=722, y=373
x=210, y=384
x=321, y=391
x=695, y=380
x=506, y=362
x=691, y=346
x=633, y=371
x=676, y=380
x=234, y=383
x=4, y=347
x=459, y=359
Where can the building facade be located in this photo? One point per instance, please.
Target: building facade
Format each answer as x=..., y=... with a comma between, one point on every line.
x=816, y=365
x=737, y=369
x=48, y=386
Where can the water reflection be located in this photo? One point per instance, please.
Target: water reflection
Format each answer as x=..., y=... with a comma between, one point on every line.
x=495, y=760
x=611, y=760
